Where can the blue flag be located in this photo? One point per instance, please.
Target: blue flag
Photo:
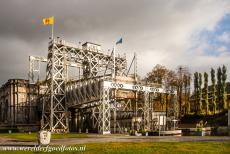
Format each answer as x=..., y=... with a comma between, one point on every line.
x=119, y=41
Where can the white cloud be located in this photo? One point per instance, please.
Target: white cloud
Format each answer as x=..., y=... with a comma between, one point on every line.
x=222, y=49
x=224, y=37
x=181, y=30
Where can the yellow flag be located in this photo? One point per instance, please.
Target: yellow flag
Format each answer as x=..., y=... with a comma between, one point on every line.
x=48, y=21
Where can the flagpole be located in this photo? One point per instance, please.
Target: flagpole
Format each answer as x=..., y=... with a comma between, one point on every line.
x=52, y=30
x=114, y=78
x=114, y=63
x=114, y=58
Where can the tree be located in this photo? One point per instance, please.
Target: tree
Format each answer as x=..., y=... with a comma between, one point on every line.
x=196, y=91
x=188, y=85
x=200, y=93
x=179, y=87
x=224, y=94
x=213, y=78
x=206, y=92
x=187, y=79
x=161, y=75
x=183, y=86
x=219, y=86
x=158, y=74
x=170, y=83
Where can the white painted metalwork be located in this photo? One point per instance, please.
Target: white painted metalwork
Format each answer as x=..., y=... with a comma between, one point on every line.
x=95, y=92
x=61, y=55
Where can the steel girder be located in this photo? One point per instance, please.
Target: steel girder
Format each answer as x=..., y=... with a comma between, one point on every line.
x=104, y=112
x=146, y=112
x=93, y=63
x=61, y=55
x=54, y=117
x=82, y=92
x=85, y=94
x=104, y=101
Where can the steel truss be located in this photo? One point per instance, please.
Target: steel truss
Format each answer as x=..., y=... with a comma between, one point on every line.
x=54, y=115
x=94, y=93
x=104, y=112
x=146, y=111
x=62, y=55
x=105, y=106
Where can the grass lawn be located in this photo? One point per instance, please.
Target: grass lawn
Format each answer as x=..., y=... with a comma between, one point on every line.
x=128, y=147
x=159, y=147
x=33, y=136
x=150, y=147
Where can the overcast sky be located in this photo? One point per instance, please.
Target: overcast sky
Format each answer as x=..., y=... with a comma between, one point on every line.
x=194, y=33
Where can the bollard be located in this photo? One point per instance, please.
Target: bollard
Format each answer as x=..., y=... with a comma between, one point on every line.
x=44, y=137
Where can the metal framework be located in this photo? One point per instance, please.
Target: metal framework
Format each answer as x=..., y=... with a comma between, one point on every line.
x=55, y=110
x=93, y=98
x=62, y=54
x=34, y=68
x=96, y=94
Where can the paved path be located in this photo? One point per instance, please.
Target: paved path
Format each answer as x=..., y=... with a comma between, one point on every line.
x=118, y=138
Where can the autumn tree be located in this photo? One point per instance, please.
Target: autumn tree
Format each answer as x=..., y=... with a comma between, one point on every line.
x=158, y=74
x=161, y=75
x=171, y=80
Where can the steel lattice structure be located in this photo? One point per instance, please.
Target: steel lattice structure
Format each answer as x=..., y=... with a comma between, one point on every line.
x=55, y=110
x=95, y=96
x=61, y=55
